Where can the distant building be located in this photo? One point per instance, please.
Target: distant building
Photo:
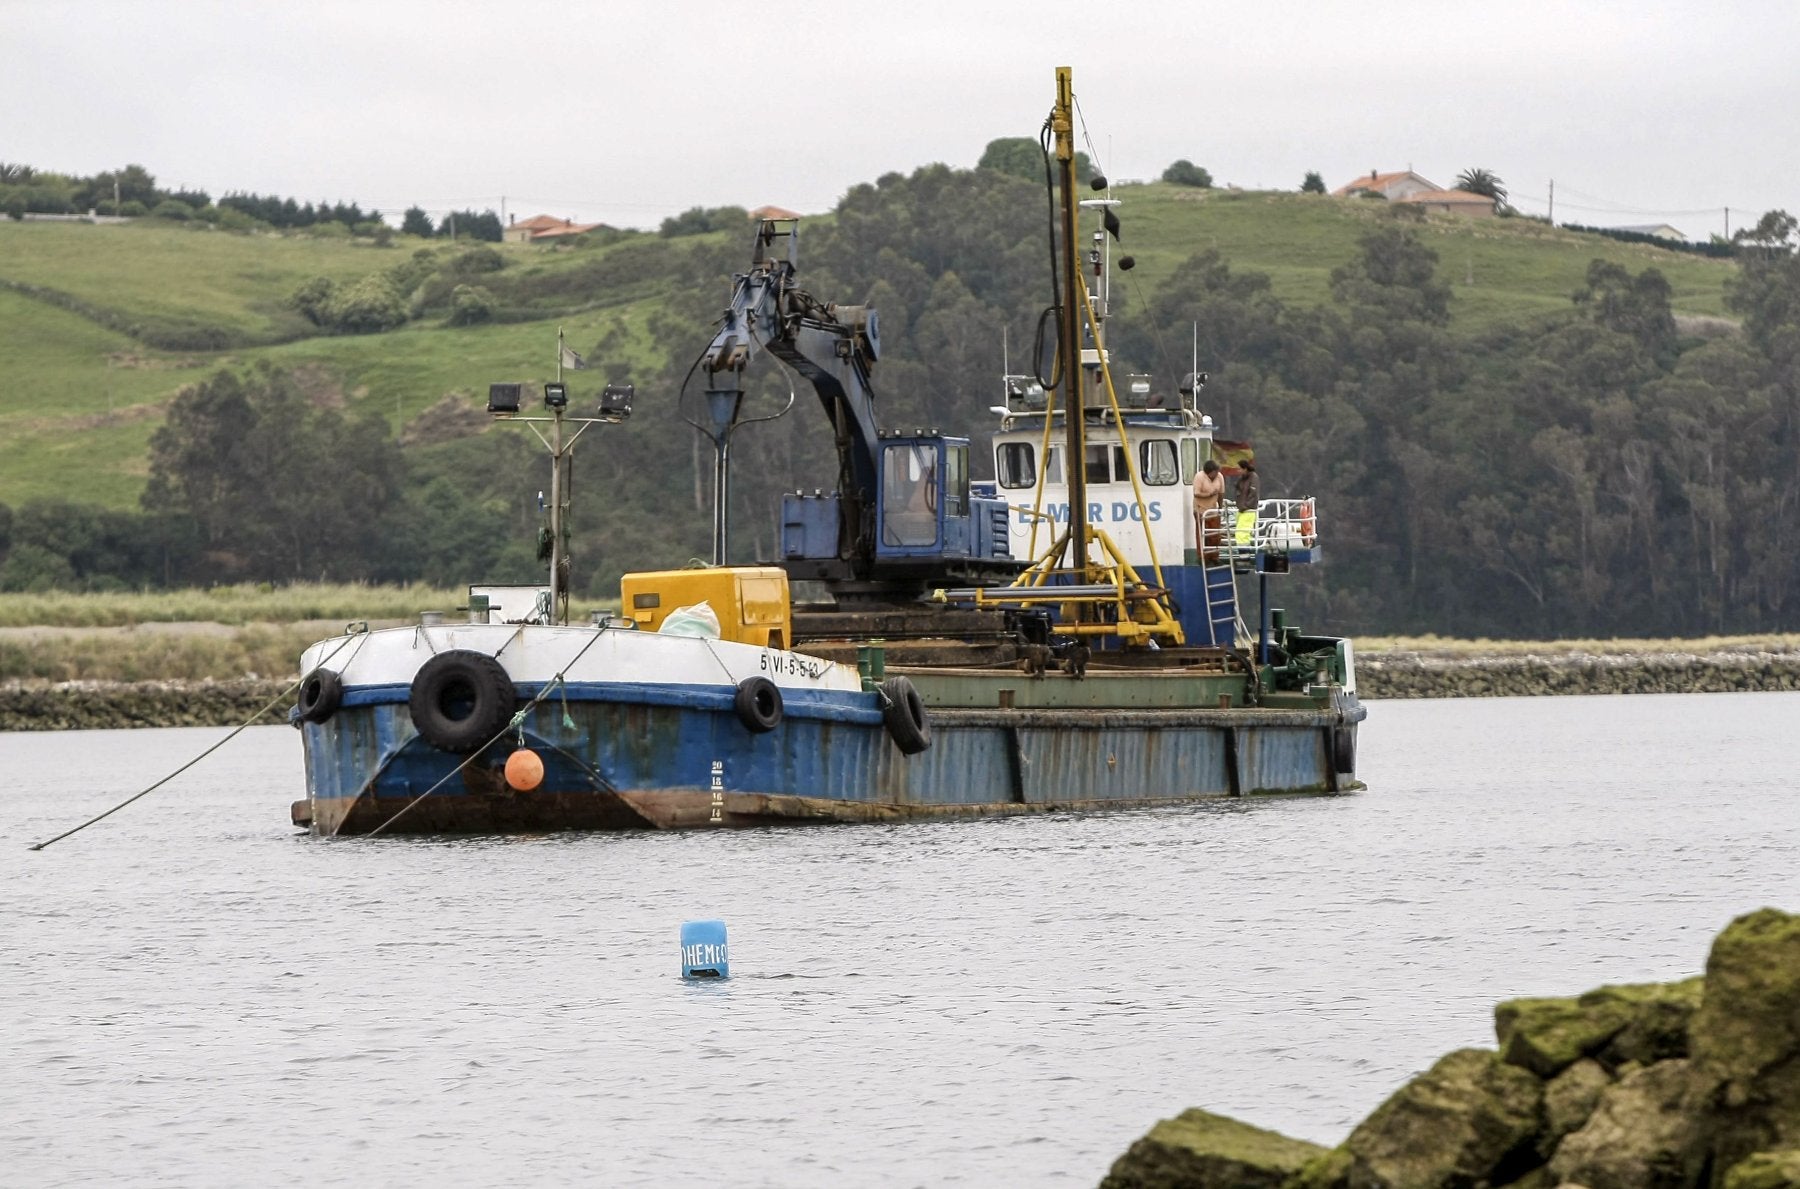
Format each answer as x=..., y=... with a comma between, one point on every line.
x=1453, y=202
x=1659, y=230
x=1409, y=187
x=544, y=229
x=1391, y=186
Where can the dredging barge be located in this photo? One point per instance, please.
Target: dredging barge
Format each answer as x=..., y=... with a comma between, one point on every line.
x=1064, y=637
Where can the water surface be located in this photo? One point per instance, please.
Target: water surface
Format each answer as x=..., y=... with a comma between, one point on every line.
x=191, y=994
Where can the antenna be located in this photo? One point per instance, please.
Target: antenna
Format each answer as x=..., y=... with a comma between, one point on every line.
x=615, y=406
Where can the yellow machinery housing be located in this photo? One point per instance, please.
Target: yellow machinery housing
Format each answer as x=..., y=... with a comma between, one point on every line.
x=750, y=601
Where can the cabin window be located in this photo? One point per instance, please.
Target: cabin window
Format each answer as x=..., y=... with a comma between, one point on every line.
x=1156, y=462
x=909, y=495
x=1053, y=468
x=956, y=480
x=1190, y=459
x=1106, y=464
x=1018, y=464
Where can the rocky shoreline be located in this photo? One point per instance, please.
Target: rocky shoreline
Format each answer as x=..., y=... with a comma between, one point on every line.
x=92, y=705
x=105, y=705
x=1688, y=1085
x=1427, y=674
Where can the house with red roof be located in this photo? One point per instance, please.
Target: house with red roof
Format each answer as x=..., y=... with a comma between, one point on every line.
x=541, y=229
x=1410, y=188
x=1391, y=186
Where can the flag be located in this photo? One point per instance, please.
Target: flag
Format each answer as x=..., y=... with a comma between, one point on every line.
x=571, y=360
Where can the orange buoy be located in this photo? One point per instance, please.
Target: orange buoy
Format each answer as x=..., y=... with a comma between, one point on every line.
x=524, y=770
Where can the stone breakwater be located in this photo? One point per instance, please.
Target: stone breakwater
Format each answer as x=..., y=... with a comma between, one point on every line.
x=71, y=705
x=1528, y=674
x=1688, y=1085
x=95, y=705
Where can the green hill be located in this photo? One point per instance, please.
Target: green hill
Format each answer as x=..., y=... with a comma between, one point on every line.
x=83, y=381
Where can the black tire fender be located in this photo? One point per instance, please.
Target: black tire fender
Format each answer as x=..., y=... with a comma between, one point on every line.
x=1343, y=749
x=903, y=713
x=321, y=693
x=461, y=699
x=758, y=704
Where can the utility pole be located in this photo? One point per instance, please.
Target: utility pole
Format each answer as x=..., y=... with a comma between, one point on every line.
x=1552, y=202
x=1728, y=223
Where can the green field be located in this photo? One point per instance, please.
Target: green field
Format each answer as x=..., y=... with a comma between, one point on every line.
x=1501, y=270
x=80, y=395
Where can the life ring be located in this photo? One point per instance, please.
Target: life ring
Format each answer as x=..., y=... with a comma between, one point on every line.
x=461, y=700
x=321, y=693
x=758, y=704
x=1343, y=749
x=903, y=713
x=1308, y=531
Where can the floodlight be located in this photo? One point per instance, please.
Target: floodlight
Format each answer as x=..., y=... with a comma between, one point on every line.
x=556, y=396
x=615, y=401
x=504, y=398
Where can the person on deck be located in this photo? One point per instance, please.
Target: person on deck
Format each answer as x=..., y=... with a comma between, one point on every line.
x=1247, y=493
x=1209, y=495
x=1247, y=496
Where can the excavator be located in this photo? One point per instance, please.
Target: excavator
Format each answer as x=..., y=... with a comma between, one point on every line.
x=903, y=519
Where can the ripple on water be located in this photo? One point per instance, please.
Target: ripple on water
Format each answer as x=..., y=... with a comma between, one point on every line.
x=191, y=995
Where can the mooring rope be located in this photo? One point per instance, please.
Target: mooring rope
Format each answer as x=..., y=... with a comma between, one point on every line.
x=273, y=702
x=516, y=724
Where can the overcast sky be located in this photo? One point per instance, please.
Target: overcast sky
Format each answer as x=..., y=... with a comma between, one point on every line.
x=627, y=111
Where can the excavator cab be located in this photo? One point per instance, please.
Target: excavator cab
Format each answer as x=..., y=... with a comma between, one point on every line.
x=927, y=521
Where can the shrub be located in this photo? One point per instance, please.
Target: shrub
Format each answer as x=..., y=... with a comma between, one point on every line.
x=470, y=305
x=170, y=208
x=369, y=306
x=15, y=205
x=133, y=209
x=45, y=200
x=479, y=260
x=372, y=229
x=1186, y=173
x=232, y=219
x=412, y=272
x=313, y=299
x=698, y=220
x=31, y=568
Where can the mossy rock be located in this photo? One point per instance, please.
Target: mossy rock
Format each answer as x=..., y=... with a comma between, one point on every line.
x=1766, y=1170
x=1645, y=1022
x=1569, y=1101
x=1746, y=1036
x=1328, y=1170
x=1468, y=1119
x=1546, y=1036
x=1644, y=1133
x=1750, y=1020
x=1200, y=1150
x=1661, y=1016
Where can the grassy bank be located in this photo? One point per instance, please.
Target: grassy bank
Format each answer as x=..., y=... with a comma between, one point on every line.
x=1443, y=647
x=233, y=605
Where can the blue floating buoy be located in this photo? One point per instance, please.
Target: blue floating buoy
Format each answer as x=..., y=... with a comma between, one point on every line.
x=704, y=953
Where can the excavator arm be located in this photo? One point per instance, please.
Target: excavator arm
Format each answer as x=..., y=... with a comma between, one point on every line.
x=832, y=347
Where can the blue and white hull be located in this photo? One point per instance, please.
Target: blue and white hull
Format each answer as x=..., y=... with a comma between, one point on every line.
x=645, y=731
